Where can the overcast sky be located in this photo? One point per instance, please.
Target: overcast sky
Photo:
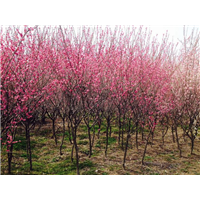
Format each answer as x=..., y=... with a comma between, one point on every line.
x=175, y=31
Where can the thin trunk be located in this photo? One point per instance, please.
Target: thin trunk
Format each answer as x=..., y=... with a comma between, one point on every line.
x=107, y=128
x=177, y=141
x=72, y=153
x=126, y=147
x=74, y=129
x=62, y=136
x=192, y=142
x=43, y=117
x=142, y=133
x=69, y=130
x=173, y=134
x=192, y=146
x=10, y=155
x=54, y=131
x=28, y=140
x=9, y=162
x=136, y=137
x=145, y=149
x=110, y=131
x=119, y=134
x=99, y=123
x=152, y=136
x=163, y=135
x=90, y=142
x=122, y=138
x=93, y=136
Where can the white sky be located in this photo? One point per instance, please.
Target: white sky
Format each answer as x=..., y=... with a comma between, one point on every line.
x=175, y=31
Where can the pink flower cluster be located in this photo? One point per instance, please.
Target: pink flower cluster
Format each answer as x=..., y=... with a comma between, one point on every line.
x=9, y=141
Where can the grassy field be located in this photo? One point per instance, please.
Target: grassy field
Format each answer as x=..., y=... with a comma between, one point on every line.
x=159, y=159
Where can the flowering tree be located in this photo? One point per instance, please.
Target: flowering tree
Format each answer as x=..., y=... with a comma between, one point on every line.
x=9, y=144
x=123, y=76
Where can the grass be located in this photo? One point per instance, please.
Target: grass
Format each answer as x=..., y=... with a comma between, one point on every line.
x=47, y=160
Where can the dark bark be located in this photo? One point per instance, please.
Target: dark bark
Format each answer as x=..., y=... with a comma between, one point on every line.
x=163, y=135
x=192, y=145
x=93, y=136
x=69, y=130
x=76, y=148
x=107, y=130
x=63, y=136
x=110, y=131
x=99, y=130
x=72, y=153
x=119, y=133
x=106, y=141
x=28, y=142
x=90, y=142
x=136, y=136
x=43, y=116
x=53, y=117
x=173, y=137
x=10, y=155
x=145, y=149
x=126, y=147
x=177, y=141
x=54, y=131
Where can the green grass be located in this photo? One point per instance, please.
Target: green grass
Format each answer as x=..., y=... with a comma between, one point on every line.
x=83, y=142
x=111, y=140
x=47, y=160
x=66, y=136
x=83, y=136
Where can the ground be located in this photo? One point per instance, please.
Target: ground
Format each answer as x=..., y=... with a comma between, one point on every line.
x=159, y=160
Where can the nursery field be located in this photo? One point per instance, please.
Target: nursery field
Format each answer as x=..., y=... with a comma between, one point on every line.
x=46, y=158
x=94, y=100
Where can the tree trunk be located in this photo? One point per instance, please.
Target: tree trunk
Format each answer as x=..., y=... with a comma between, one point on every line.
x=163, y=135
x=62, y=136
x=192, y=146
x=177, y=141
x=90, y=142
x=192, y=142
x=93, y=136
x=72, y=153
x=110, y=131
x=119, y=134
x=107, y=128
x=10, y=155
x=126, y=147
x=99, y=123
x=54, y=131
x=173, y=134
x=74, y=129
x=136, y=137
x=145, y=149
x=28, y=141
x=69, y=129
x=43, y=117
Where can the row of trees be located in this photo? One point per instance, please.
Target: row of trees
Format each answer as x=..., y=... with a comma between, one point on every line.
x=123, y=76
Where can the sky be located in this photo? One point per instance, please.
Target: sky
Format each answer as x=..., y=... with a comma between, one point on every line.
x=175, y=31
